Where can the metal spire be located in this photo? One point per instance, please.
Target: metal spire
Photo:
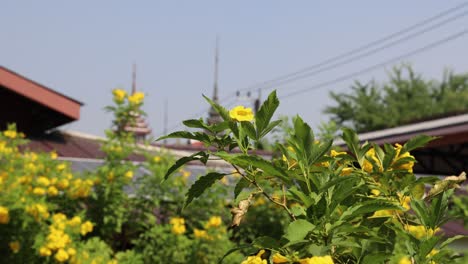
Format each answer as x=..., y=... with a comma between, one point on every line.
x=134, y=79
x=216, y=65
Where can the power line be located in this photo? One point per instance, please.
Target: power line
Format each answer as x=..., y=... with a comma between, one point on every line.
x=359, y=49
x=296, y=75
x=371, y=52
x=379, y=65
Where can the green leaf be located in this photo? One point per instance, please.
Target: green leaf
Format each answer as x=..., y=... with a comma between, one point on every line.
x=318, y=151
x=452, y=239
x=266, y=242
x=419, y=207
x=298, y=230
x=241, y=184
x=219, y=109
x=265, y=113
x=300, y=196
x=368, y=207
x=201, y=156
x=269, y=128
x=416, y=142
x=232, y=250
x=199, y=186
x=427, y=245
x=249, y=129
x=244, y=161
x=188, y=135
x=375, y=258
x=352, y=141
x=195, y=123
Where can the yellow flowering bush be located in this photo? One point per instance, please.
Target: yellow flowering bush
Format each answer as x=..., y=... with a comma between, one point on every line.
x=361, y=204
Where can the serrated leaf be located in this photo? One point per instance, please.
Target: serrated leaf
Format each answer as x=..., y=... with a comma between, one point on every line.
x=201, y=156
x=200, y=185
x=249, y=129
x=351, y=140
x=265, y=113
x=244, y=161
x=219, y=109
x=269, y=128
x=368, y=207
x=416, y=142
x=188, y=135
x=195, y=123
x=298, y=230
x=241, y=184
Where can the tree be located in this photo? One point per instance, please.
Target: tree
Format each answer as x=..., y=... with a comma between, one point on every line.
x=405, y=98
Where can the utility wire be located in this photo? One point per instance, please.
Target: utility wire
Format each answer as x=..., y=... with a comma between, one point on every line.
x=359, y=49
x=296, y=75
x=371, y=52
x=379, y=65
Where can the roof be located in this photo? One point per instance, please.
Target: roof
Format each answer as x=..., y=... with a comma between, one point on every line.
x=443, y=127
x=446, y=155
x=37, y=108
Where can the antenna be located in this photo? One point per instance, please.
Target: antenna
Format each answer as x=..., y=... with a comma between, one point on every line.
x=134, y=79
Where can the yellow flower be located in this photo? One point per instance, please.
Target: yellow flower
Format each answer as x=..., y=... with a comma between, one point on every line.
x=61, y=166
x=157, y=159
x=52, y=191
x=4, y=215
x=240, y=113
x=61, y=255
x=53, y=155
x=63, y=184
x=113, y=261
x=214, y=221
x=86, y=227
x=10, y=134
x=75, y=221
x=404, y=260
x=334, y=153
x=317, y=260
x=420, y=231
x=200, y=233
x=14, y=246
x=119, y=95
x=71, y=251
x=59, y=217
x=346, y=171
x=129, y=174
x=43, y=181
x=39, y=191
x=45, y=252
x=136, y=98
x=278, y=259
x=255, y=259
x=405, y=166
x=367, y=165
x=178, y=229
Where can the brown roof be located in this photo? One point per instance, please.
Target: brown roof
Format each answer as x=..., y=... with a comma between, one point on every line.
x=34, y=108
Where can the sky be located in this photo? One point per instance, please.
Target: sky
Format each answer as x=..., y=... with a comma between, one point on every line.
x=84, y=49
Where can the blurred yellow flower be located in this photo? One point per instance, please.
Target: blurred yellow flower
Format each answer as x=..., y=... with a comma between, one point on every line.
x=317, y=260
x=129, y=174
x=346, y=171
x=367, y=165
x=405, y=166
x=86, y=227
x=39, y=191
x=157, y=159
x=42, y=180
x=14, y=246
x=279, y=259
x=257, y=259
x=136, y=98
x=405, y=260
x=4, y=215
x=53, y=155
x=214, y=221
x=240, y=113
x=45, y=252
x=420, y=231
x=178, y=225
x=61, y=255
x=10, y=134
x=334, y=153
x=52, y=191
x=200, y=233
x=119, y=95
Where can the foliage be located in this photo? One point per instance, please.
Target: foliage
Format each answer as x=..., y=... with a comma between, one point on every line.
x=405, y=98
x=360, y=206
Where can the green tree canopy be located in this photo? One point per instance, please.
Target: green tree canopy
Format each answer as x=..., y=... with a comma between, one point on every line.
x=406, y=97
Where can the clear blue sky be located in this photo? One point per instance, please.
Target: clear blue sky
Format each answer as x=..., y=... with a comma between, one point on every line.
x=84, y=49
